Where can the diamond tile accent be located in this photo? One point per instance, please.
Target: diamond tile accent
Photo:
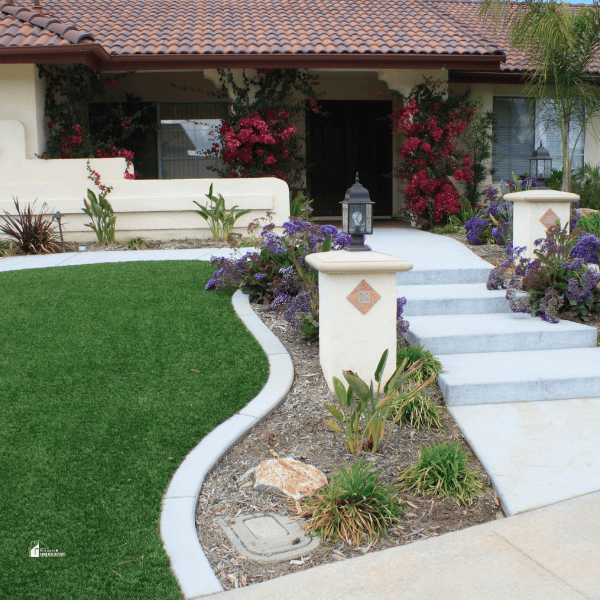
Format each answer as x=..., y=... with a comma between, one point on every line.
x=363, y=296
x=549, y=219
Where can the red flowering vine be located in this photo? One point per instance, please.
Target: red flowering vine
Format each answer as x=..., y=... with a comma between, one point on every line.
x=68, y=91
x=259, y=138
x=432, y=125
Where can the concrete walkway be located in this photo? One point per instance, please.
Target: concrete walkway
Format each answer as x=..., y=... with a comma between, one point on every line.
x=539, y=452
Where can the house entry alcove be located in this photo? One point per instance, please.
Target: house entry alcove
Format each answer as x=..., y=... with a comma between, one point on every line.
x=350, y=136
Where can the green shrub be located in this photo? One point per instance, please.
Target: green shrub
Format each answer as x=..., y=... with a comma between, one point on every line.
x=136, y=243
x=442, y=470
x=220, y=220
x=591, y=223
x=5, y=247
x=420, y=412
x=353, y=505
x=300, y=206
x=372, y=403
x=431, y=365
x=449, y=228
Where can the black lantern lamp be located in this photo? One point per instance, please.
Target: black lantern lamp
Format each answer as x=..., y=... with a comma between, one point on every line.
x=541, y=166
x=357, y=216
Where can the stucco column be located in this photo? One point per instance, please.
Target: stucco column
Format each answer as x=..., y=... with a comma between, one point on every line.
x=22, y=95
x=357, y=311
x=535, y=211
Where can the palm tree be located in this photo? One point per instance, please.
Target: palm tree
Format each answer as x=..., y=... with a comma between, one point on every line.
x=561, y=44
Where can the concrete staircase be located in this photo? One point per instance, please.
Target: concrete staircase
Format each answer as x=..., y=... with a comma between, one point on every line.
x=489, y=354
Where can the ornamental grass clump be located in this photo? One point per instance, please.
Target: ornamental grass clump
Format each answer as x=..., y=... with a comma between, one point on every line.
x=431, y=366
x=442, y=470
x=419, y=412
x=354, y=505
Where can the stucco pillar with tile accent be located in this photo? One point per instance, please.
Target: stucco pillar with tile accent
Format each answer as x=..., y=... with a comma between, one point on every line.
x=534, y=212
x=357, y=311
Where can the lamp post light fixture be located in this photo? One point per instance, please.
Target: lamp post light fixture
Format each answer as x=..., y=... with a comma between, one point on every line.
x=541, y=166
x=58, y=218
x=357, y=216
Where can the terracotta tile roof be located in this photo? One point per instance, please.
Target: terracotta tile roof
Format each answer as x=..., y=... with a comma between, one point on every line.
x=125, y=27
x=20, y=26
x=465, y=13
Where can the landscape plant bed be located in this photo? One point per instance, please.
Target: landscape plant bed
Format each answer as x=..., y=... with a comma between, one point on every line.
x=296, y=429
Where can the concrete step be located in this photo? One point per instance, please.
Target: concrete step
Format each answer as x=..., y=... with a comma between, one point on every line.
x=466, y=334
x=445, y=273
x=498, y=377
x=452, y=299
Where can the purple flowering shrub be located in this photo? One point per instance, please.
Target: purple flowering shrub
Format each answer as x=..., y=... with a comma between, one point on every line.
x=402, y=323
x=277, y=272
x=559, y=280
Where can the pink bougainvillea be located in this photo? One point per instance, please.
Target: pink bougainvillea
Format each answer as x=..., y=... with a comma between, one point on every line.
x=259, y=138
x=432, y=124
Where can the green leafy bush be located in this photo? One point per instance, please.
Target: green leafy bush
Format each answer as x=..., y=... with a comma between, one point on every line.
x=371, y=404
x=442, y=470
x=33, y=233
x=431, y=366
x=353, y=505
x=591, y=223
x=5, y=247
x=420, y=412
x=220, y=220
x=300, y=206
x=137, y=243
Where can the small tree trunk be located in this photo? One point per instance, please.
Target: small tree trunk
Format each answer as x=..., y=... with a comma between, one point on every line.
x=566, y=180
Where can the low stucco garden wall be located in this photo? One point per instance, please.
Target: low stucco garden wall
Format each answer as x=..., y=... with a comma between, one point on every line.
x=153, y=209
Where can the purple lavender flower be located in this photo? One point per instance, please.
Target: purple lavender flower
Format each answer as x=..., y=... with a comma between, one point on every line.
x=297, y=304
x=476, y=227
x=341, y=240
x=586, y=248
x=494, y=209
x=331, y=230
x=403, y=324
x=496, y=279
x=550, y=305
x=272, y=242
x=295, y=225
x=260, y=276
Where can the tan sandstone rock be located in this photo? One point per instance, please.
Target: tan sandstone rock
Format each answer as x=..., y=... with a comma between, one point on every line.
x=288, y=477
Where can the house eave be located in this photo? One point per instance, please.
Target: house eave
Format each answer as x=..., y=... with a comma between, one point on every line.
x=94, y=55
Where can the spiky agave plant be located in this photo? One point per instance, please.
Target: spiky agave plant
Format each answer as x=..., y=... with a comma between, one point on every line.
x=33, y=233
x=353, y=505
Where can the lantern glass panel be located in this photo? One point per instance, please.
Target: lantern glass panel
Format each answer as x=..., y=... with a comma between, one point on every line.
x=345, y=217
x=358, y=219
x=369, y=219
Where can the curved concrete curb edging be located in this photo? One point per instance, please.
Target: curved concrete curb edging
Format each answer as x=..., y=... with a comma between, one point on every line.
x=178, y=513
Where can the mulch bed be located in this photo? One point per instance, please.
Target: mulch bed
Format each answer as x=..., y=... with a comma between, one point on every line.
x=297, y=430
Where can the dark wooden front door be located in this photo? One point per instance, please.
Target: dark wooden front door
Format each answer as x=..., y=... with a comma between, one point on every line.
x=352, y=136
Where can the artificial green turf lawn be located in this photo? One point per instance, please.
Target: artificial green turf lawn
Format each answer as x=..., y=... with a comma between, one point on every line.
x=99, y=404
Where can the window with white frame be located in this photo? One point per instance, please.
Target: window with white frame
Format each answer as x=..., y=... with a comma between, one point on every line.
x=514, y=136
x=521, y=124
